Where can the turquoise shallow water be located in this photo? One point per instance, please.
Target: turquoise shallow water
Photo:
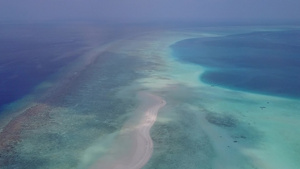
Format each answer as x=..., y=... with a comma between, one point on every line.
x=212, y=125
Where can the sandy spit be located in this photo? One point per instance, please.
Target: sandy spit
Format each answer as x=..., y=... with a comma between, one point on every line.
x=134, y=145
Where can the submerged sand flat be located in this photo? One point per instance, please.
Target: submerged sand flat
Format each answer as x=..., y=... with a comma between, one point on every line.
x=116, y=115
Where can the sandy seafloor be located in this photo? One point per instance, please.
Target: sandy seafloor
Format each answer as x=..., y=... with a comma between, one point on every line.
x=200, y=127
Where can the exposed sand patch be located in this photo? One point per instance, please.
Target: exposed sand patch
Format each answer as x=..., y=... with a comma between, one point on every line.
x=134, y=139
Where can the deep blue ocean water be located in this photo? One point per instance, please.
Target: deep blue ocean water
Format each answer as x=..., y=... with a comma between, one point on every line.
x=266, y=62
x=30, y=55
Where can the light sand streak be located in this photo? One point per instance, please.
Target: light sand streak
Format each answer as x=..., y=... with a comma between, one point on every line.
x=135, y=139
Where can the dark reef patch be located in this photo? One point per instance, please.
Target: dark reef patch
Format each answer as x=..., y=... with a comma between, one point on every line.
x=221, y=120
x=239, y=131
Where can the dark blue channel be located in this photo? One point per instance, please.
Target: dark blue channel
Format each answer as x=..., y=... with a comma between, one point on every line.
x=26, y=62
x=265, y=62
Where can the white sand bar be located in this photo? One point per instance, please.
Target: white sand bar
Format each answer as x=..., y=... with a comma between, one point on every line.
x=134, y=139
